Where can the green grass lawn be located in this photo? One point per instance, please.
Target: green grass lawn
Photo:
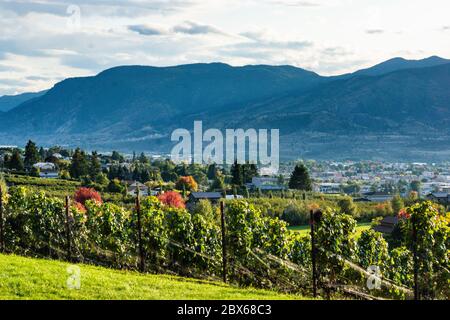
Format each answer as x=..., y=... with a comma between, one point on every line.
x=27, y=278
x=304, y=230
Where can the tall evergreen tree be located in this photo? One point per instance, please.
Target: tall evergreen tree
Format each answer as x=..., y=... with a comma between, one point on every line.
x=246, y=192
x=249, y=170
x=31, y=154
x=143, y=159
x=236, y=173
x=145, y=175
x=136, y=174
x=42, y=153
x=116, y=156
x=95, y=167
x=218, y=183
x=212, y=168
x=300, y=179
x=79, y=166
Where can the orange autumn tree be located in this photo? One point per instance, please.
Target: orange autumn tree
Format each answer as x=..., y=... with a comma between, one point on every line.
x=172, y=199
x=187, y=183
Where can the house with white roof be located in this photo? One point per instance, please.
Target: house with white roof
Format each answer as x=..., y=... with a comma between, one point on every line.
x=47, y=170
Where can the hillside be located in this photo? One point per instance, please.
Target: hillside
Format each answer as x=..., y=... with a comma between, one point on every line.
x=399, y=109
x=9, y=102
x=26, y=278
x=403, y=114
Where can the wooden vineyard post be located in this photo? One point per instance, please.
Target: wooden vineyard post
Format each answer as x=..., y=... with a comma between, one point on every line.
x=224, y=242
x=2, y=239
x=69, y=249
x=415, y=258
x=139, y=225
x=313, y=254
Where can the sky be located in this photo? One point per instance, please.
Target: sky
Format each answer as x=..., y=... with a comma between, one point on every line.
x=45, y=41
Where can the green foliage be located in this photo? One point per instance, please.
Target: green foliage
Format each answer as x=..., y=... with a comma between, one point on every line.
x=115, y=186
x=301, y=250
x=347, y=206
x=335, y=242
x=261, y=251
x=400, y=267
x=296, y=214
x=155, y=234
x=33, y=222
x=15, y=162
x=3, y=185
x=432, y=246
x=109, y=231
x=372, y=250
x=397, y=204
x=35, y=172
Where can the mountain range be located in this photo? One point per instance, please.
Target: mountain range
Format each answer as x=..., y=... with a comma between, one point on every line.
x=397, y=110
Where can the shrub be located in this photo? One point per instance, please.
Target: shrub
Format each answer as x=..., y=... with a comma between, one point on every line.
x=115, y=186
x=64, y=174
x=296, y=214
x=204, y=208
x=347, y=206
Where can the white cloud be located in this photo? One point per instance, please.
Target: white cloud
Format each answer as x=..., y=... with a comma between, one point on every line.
x=39, y=47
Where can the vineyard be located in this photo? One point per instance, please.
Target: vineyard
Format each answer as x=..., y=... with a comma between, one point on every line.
x=238, y=245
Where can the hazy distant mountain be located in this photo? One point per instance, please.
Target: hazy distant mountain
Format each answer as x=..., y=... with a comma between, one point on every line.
x=397, y=64
x=402, y=114
x=390, y=111
x=9, y=102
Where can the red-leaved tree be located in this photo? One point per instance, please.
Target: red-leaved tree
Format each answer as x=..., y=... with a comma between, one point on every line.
x=81, y=208
x=84, y=194
x=172, y=199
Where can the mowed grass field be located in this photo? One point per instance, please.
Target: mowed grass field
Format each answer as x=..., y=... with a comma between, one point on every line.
x=28, y=278
x=304, y=230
